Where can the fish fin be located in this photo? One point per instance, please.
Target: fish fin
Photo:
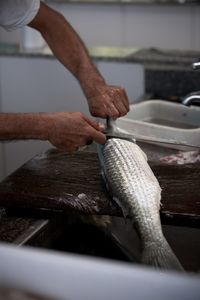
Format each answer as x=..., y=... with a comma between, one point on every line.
x=105, y=180
x=124, y=211
x=100, y=154
x=160, y=255
x=103, y=171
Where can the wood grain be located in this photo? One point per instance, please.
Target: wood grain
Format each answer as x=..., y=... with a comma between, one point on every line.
x=59, y=181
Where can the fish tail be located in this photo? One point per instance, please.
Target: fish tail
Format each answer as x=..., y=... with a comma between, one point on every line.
x=160, y=255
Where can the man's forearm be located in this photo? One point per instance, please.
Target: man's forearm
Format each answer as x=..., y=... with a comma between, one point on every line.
x=65, y=130
x=68, y=48
x=22, y=126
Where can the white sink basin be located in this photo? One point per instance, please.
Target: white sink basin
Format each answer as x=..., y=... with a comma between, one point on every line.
x=64, y=276
x=163, y=119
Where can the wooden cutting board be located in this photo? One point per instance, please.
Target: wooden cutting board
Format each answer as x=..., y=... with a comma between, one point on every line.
x=72, y=182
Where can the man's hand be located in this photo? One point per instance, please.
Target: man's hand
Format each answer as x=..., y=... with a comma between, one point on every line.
x=109, y=101
x=69, y=131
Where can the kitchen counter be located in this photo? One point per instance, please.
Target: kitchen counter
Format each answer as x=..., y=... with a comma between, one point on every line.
x=56, y=181
x=152, y=57
x=110, y=53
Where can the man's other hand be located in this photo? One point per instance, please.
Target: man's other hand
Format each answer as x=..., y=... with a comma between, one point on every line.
x=69, y=131
x=109, y=101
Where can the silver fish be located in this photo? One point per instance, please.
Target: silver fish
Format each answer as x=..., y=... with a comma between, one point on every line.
x=134, y=187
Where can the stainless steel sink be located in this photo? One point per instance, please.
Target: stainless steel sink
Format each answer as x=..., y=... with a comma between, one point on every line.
x=163, y=119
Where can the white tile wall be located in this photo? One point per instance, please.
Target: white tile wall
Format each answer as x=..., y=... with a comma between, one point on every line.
x=39, y=85
x=158, y=26
x=163, y=26
x=10, y=37
x=98, y=25
x=195, y=28
x=175, y=27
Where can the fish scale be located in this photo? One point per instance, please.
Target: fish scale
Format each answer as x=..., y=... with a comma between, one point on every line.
x=134, y=187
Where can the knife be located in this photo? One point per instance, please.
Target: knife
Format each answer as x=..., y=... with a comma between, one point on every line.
x=112, y=131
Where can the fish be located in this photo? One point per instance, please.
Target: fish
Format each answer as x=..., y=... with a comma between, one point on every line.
x=132, y=184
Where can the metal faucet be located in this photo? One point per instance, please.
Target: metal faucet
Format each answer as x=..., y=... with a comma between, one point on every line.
x=196, y=65
x=193, y=97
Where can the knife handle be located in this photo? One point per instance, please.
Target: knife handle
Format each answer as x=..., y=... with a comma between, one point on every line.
x=111, y=125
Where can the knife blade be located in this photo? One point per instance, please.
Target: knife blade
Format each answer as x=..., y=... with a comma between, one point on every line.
x=112, y=131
